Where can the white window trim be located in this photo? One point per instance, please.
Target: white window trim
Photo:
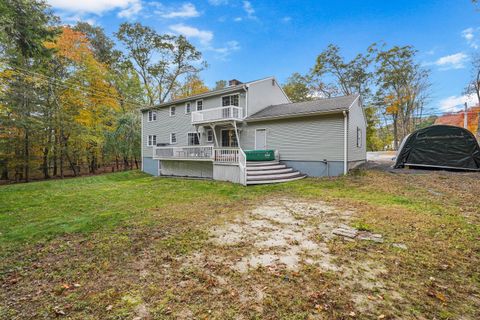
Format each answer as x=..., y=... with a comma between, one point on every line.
x=198, y=134
x=264, y=129
x=196, y=105
x=173, y=107
x=153, y=112
x=186, y=107
x=206, y=135
x=229, y=95
x=148, y=140
x=176, y=138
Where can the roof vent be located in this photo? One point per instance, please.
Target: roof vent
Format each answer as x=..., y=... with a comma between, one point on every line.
x=234, y=82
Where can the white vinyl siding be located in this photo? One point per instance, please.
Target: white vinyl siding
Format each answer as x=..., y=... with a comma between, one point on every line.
x=312, y=138
x=356, y=134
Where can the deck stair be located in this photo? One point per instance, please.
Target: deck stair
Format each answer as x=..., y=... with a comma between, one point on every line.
x=265, y=172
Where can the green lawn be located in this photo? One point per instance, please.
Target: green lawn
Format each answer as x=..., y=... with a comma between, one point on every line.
x=123, y=245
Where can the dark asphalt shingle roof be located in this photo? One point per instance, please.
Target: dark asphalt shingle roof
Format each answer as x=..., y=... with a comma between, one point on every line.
x=337, y=104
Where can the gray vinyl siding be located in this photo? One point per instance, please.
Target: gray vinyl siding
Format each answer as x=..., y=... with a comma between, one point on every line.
x=356, y=119
x=312, y=138
x=180, y=123
x=264, y=93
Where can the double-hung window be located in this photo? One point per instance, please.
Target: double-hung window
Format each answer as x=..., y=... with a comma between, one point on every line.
x=152, y=140
x=209, y=133
x=172, y=111
x=193, y=139
x=359, y=137
x=188, y=107
x=199, y=105
x=152, y=115
x=231, y=100
x=173, y=138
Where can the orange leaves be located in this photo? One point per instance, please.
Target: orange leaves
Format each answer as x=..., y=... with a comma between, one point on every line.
x=72, y=45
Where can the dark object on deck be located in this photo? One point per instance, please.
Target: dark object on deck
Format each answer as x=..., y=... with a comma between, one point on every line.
x=260, y=155
x=440, y=146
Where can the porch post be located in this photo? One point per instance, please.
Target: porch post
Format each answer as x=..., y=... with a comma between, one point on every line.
x=236, y=133
x=214, y=134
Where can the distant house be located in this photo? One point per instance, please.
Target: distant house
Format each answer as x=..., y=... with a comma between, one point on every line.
x=225, y=134
x=458, y=118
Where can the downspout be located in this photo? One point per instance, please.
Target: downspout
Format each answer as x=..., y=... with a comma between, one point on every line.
x=345, y=141
x=246, y=101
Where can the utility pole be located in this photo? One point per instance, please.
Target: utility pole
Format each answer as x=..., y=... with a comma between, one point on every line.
x=465, y=119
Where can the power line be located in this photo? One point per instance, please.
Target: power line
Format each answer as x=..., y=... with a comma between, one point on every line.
x=79, y=87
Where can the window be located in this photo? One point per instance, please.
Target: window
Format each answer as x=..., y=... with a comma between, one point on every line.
x=209, y=135
x=359, y=137
x=152, y=116
x=152, y=140
x=172, y=111
x=193, y=139
x=230, y=100
x=199, y=105
x=173, y=138
x=188, y=107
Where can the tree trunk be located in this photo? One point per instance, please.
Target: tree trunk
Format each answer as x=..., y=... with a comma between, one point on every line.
x=45, y=163
x=395, y=133
x=27, y=156
x=4, y=166
x=136, y=162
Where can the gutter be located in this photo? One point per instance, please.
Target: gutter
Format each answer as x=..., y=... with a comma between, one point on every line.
x=141, y=138
x=295, y=115
x=345, y=141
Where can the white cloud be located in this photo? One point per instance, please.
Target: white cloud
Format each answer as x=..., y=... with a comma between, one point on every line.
x=238, y=19
x=217, y=2
x=187, y=10
x=456, y=103
x=131, y=11
x=247, y=6
x=470, y=34
x=204, y=36
x=94, y=6
x=453, y=61
x=286, y=19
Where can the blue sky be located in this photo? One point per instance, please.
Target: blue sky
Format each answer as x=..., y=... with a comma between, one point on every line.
x=252, y=39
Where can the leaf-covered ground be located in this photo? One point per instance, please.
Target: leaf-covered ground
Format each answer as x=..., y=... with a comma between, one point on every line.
x=127, y=245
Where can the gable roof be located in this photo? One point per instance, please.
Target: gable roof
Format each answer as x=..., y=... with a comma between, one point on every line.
x=206, y=94
x=331, y=105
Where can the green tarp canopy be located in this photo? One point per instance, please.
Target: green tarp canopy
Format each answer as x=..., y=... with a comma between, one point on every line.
x=440, y=146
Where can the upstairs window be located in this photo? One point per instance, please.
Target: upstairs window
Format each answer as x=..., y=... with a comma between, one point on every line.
x=188, y=107
x=193, y=139
x=173, y=138
x=152, y=116
x=152, y=140
x=359, y=137
x=199, y=105
x=230, y=100
x=172, y=111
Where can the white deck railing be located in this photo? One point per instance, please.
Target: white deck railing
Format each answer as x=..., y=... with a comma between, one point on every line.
x=226, y=155
x=217, y=114
x=183, y=153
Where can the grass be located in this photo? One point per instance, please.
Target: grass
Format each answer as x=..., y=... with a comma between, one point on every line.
x=127, y=240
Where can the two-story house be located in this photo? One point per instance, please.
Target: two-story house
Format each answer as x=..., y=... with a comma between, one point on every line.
x=251, y=133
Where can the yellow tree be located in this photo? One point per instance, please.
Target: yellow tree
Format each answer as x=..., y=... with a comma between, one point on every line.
x=86, y=97
x=193, y=85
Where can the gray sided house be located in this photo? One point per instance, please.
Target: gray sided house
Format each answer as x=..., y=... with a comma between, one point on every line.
x=251, y=133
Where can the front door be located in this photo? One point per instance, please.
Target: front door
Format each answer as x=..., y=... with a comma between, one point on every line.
x=260, y=139
x=229, y=139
